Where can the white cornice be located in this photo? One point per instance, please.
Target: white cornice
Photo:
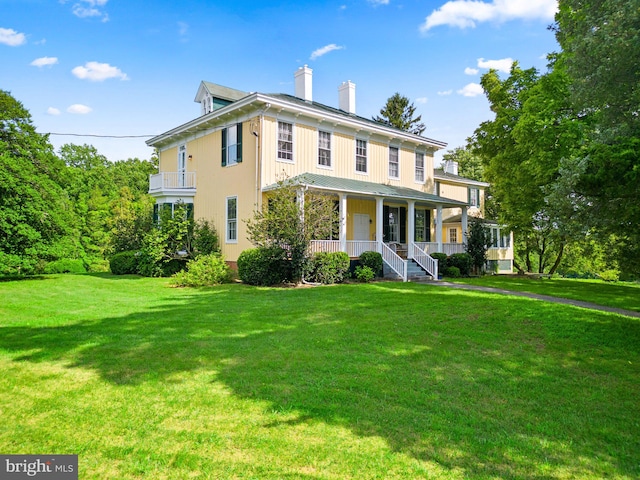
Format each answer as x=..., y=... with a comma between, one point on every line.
x=257, y=101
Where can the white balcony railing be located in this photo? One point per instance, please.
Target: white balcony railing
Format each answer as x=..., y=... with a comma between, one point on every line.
x=172, y=181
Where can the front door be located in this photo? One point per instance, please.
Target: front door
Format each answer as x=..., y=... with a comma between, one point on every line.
x=361, y=223
x=182, y=165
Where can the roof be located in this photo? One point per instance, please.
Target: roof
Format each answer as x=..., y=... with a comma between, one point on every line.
x=262, y=101
x=219, y=91
x=370, y=189
x=352, y=116
x=440, y=174
x=458, y=219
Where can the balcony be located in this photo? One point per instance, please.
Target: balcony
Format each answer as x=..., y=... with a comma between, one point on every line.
x=182, y=184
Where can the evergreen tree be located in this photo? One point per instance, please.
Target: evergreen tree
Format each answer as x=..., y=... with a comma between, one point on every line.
x=399, y=113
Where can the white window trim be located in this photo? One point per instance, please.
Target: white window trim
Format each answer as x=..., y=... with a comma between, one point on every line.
x=415, y=168
x=355, y=156
x=235, y=161
x=452, y=230
x=226, y=219
x=389, y=162
x=331, y=156
x=293, y=141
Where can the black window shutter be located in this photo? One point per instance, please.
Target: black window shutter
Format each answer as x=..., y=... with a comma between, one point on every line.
x=189, y=211
x=239, y=137
x=156, y=213
x=224, y=147
x=403, y=225
x=385, y=223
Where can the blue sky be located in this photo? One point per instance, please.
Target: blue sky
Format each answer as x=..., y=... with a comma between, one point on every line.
x=128, y=68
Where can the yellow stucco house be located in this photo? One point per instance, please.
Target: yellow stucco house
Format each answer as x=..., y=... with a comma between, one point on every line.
x=225, y=161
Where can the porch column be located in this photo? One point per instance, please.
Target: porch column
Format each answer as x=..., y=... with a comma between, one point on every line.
x=465, y=227
x=439, y=227
x=379, y=224
x=300, y=200
x=343, y=222
x=411, y=227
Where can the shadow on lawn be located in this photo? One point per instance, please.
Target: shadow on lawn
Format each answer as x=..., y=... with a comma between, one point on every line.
x=471, y=383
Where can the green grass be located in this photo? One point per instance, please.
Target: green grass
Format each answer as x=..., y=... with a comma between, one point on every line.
x=366, y=381
x=625, y=295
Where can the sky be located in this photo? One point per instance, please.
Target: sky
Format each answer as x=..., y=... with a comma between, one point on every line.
x=116, y=68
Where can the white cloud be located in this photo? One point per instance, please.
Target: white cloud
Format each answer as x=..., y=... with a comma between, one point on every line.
x=471, y=90
x=79, y=109
x=471, y=71
x=324, y=50
x=468, y=13
x=375, y=3
x=445, y=93
x=53, y=111
x=183, y=28
x=98, y=72
x=502, y=65
x=44, y=61
x=10, y=37
x=422, y=100
x=87, y=9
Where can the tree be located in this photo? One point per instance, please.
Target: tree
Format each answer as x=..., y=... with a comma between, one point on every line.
x=284, y=223
x=534, y=129
x=478, y=242
x=35, y=213
x=398, y=112
x=469, y=163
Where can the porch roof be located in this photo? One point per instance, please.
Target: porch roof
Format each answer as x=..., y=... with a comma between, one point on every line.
x=458, y=219
x=359, y=187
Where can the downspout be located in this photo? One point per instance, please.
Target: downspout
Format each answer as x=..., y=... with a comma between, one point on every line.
x=259, y=160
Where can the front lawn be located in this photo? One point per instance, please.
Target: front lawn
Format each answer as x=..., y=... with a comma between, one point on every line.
x=625, y=295
x=362, y=381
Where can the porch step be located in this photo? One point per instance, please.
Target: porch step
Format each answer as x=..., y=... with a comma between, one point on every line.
x=414, y=272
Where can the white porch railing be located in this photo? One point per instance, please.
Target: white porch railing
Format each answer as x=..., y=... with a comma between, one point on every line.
x=423, y=259
x=448, y=248
x=325, y=246
x=172, y=180
x=355, y=248
x=394, y=261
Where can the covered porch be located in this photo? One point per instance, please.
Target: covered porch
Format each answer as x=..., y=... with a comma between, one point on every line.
x=397, y=222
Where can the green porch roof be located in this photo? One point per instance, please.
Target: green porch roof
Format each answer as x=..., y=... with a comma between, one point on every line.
x=368, y=189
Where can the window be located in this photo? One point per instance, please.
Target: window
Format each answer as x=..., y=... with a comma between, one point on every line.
x=324, y=149
x=394, y=166
x=285, y=141
x=232, y=145
x=361, y=156
x=453, y=235
x=474, y=197
x=419, y=167
x=422, y=225
x=182, y=165
x=232, y=219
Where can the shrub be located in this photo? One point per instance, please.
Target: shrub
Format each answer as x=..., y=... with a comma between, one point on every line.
x=609, y=275
x=328, y=267
x=442, y=260
x=453, y=272
x=364, y=274
x=462, y=261
x=373, y=260
x=264, y=266
x=205, y=238
x=124, y=263
x=204, y=271
x=65, y=265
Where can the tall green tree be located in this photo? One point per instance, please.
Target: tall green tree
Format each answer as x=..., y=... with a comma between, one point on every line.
x=399, y=112
x=601, y=43
x=535, y=127
x=35, y=213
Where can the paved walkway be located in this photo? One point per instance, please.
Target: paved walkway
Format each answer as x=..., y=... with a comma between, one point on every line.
x=546, y=298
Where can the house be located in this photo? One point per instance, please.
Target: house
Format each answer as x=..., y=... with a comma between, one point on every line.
x=225, y=162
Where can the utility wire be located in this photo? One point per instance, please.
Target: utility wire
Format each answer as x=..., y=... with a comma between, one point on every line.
x=98, y=136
